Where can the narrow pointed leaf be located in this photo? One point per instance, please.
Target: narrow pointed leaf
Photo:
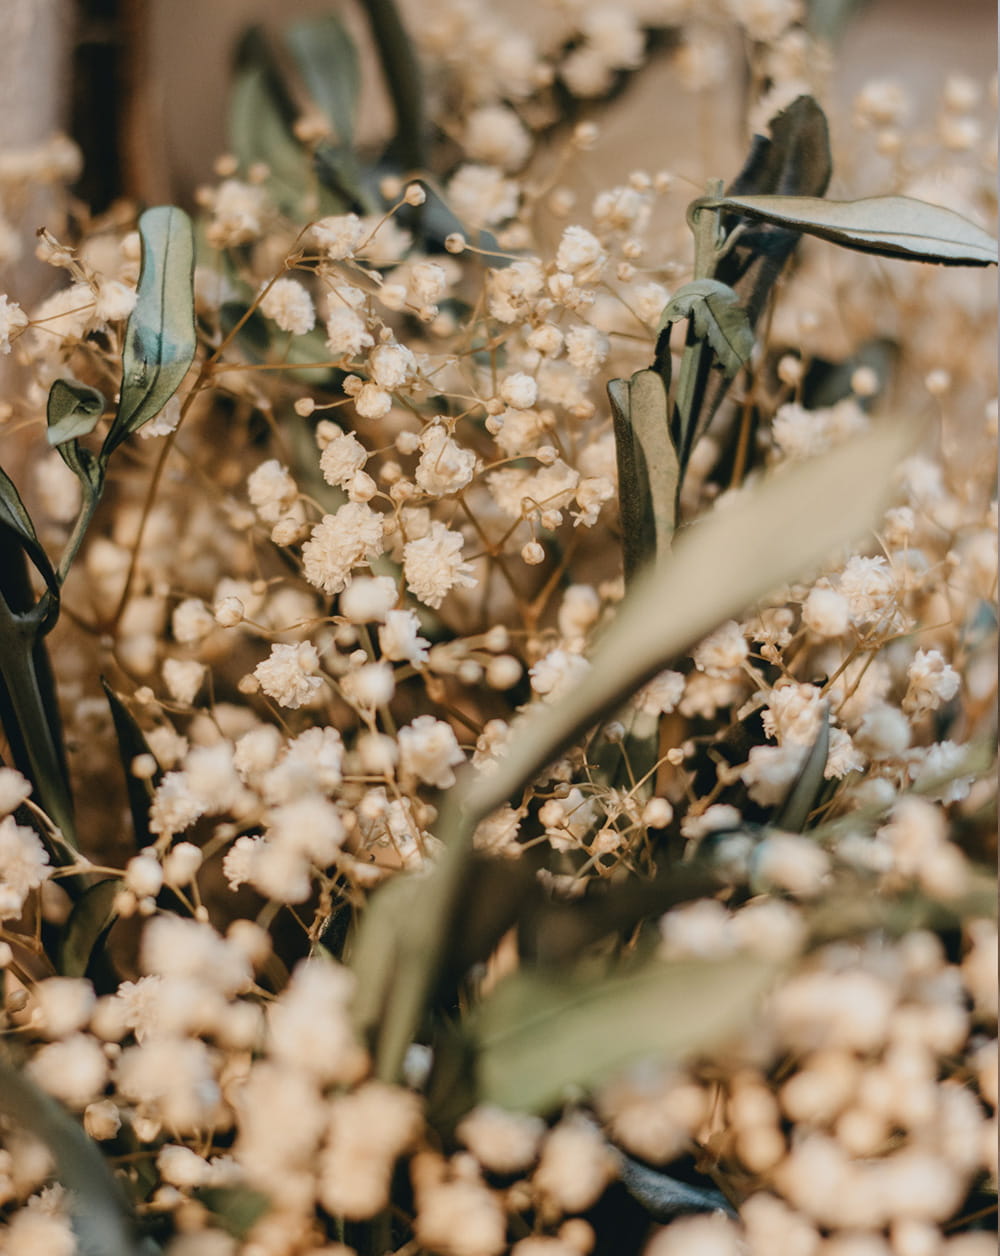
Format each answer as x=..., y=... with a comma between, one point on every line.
x=160, y=339
x=891, y=226
x=73, y=410
x=714, y=309
x=261, y=117
x=648, y=469
x=801, y=797
x=92, y=916
x=15, y=518
x=131, y=743
x=775, y=532
x=665, y=1197
x=327, y=59
x=236, y=1208
x=541, y=1037
x=100, y=1215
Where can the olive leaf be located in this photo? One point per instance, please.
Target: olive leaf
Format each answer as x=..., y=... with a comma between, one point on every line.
x=648, y=468
x=401, y=71
x=73, y=410
x=542, y=1036
x=665, y=1197
x=160, y=339
x=801, y=797
x=92, y=916
x=260, y=121
x=102, y=1221
x=772, y=533
x=29, y=712
x=236, y=1208
x=131, y=743
x=715, y=311
x=793, y=160
x=891, y=226
x=15, y=518
x=327, y=60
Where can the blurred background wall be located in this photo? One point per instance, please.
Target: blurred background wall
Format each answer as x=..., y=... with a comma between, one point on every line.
x=142, y=84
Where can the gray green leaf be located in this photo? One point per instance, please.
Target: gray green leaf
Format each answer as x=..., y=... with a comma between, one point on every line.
x=775, y=532
x=160, y=338
x=891, y=226
x=327, y=59
x=15, y=518
x=541, y=1037
x=715, y=310
x=648, y=468
x=73, y=410
x=804, y=791
x=92, y=916
x=101, y=1218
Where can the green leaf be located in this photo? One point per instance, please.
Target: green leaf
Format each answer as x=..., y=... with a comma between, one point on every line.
x=775, y=532
x=327, y=59
x=261, y=117
x=131, y=743
x=648, y=468
x=160, y=339
x=542, y=1037
x=801, y=797
x=236, y=1208
x=14, y=518
x=715, y=311
x=73, y=410
x=403, y=80
x=891, y=226
x=92, y=916
x=101, y=1217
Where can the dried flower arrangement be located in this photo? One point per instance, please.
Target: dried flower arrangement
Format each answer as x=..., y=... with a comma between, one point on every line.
x=539, y=796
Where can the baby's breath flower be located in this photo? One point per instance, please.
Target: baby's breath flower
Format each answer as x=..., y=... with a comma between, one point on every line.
x=460, y=1217
x=770, y=771
x=481, y=196
x=338, y=236
x=511, y=293
x=391, y=365
x=289, y=304
x=346, y=333
x=271, y=490
x=115, y=301
x=444, y=466
x=519, y=391
x=23, y=866
x=368, y=1129
x=75, y=1071
x=504, y=1142
x=370, y=685
x=237, y=214
x=368, y=598
x=722, y=651
x=183, y=678
x=580, y=253
x=400, y=640
x=557, y=672
x=710, y=1235
x=826, y=612
x=14, y=789
x=339, y=543
x=288, y=674
x=932, y=681
x=433, y=565
x=428, y=749
x=575, y=1167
